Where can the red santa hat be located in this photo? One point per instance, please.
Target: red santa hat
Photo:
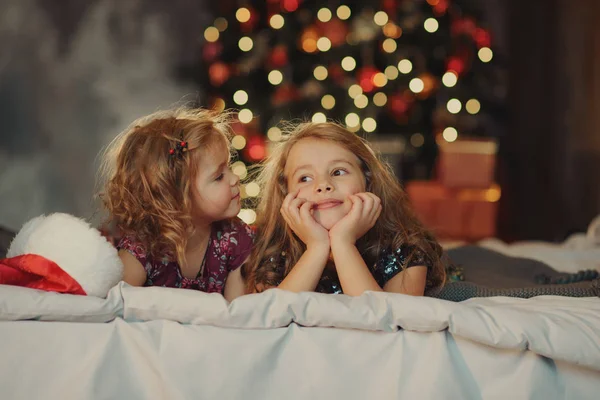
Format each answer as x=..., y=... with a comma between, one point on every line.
x=64, y=254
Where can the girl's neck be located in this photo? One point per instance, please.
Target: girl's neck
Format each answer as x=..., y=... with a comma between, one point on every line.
x=199, y=236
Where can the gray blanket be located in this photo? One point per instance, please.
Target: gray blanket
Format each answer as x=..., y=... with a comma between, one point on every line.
x=488, y=273
x=495, y=270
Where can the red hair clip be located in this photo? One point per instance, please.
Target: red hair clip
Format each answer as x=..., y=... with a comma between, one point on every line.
x=180, y=148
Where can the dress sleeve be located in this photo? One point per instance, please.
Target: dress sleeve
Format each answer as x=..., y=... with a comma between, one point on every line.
x=391, y=262
x=134, y=248
x=241, y=244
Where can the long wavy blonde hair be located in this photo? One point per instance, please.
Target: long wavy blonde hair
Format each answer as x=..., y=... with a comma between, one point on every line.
x=396, y=226
x=146, y=191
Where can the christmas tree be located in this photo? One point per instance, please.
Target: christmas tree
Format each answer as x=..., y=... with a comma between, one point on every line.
x=419, y=70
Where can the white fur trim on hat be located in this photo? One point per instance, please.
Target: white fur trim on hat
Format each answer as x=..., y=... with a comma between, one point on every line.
x=78, y=249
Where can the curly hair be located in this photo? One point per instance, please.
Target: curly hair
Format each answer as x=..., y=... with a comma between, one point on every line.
x=146, y=191
x=396, y=226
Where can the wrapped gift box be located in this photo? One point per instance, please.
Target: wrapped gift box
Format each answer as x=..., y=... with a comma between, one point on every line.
x=467, y=163
x=465, y=214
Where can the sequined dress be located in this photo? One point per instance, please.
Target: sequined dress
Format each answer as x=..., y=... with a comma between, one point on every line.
x=389, y=264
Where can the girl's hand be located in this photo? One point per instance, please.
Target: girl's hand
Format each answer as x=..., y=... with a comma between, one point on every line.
x=366, y=208
x=297, y=213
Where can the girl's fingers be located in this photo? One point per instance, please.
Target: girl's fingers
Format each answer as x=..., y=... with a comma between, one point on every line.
x=371, y=205
x=286, y=218
x=357, y=205
x=291, y=196
x=284, y=213
x=305, y=211
x=285, y=207
x=296, y=203
x=376, y=211
x=294, y=208
x=367, y=204
x=376, y=200
x=376, y=214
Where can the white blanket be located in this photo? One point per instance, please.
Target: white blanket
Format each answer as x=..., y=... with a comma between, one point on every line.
x=581, y=251
x=560, y=328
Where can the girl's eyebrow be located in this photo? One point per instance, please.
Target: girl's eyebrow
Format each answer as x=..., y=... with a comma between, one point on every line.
x=305, y=166
x=340, y=161
x=308, y=166
x=215, y=172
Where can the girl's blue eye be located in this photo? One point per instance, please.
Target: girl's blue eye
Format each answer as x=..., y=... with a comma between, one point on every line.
x=339, y=172
x=305, y=179
x=220, y=177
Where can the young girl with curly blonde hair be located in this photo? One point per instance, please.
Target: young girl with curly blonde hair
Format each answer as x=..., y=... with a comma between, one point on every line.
x=171, y=195
x=333, y=218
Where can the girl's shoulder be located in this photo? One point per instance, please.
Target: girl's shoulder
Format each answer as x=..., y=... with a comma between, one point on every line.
x=231, y=234
x=394, y=259
x=405, y=255
x=233, y=240
x=235, y=230
x=133, y=246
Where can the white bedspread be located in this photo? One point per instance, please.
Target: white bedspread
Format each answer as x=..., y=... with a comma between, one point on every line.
x=580, y=251
x=172, y=343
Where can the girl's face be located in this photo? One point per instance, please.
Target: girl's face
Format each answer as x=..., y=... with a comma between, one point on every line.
x=216, y=191
x=325, y=173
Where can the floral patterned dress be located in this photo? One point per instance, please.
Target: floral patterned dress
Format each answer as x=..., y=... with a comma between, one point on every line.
x=229, y=246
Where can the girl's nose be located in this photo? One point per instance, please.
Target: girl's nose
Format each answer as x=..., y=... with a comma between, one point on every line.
x=324, y=187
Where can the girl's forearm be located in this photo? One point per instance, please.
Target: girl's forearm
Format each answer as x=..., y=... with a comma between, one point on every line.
x=305, y=275
x=353, y=273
